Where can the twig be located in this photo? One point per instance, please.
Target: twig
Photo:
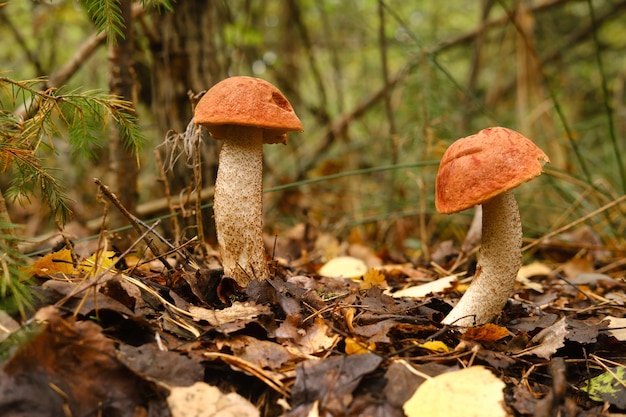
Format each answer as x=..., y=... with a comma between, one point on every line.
x=133, y=221
x=168, y=196
x=22, y=42
x=87, y=285
x=575, y=222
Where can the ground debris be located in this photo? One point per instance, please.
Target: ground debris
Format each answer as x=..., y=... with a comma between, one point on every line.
x=301, y=344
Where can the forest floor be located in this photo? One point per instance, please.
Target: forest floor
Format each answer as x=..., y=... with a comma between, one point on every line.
x=115, y=339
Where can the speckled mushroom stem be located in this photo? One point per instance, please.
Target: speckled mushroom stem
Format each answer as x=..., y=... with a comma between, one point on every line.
x=498, y=264
x=238, y=205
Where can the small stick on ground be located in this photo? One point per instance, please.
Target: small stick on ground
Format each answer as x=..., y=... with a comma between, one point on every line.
x=133, y=221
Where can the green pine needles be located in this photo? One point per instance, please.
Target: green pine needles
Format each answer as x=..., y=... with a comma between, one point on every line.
x=108, y=18
x=31, y=120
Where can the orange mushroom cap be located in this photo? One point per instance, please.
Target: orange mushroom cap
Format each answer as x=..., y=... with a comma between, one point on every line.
x=247, y=101
x=479, y=167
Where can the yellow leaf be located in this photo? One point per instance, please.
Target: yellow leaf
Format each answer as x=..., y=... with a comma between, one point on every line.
x=103, y=260
x=54, y=263
x=435, y=346
x=373, y=278
x=470, y=392
x=354, y=347
x=343, y=267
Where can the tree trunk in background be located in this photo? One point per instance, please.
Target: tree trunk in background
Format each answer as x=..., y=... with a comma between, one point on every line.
x=123, y=162
x=186, y=58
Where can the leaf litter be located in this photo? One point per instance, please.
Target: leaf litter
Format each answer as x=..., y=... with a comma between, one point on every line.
x=340, y=331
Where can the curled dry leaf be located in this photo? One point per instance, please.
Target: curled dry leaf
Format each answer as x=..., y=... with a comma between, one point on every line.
x=238, y=314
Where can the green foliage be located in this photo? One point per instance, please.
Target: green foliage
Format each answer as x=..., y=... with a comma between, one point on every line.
x=42, y=115
x=108, y=18
x=29, y=120
x=14, y=294
x=608, y=386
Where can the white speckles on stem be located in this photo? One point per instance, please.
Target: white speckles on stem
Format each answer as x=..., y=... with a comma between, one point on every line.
x=238, y=205
x=498, y=264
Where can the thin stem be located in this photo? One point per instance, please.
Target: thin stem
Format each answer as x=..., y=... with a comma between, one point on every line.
x=498, y=264
x=605, y=93
x=238, y=205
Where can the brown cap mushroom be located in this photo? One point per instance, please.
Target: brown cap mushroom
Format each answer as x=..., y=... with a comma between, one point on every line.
x=247, y=101
x=245, y=113
x=483, y=169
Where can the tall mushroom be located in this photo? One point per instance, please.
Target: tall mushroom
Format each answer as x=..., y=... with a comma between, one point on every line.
x=483, y=169
x=245, y=113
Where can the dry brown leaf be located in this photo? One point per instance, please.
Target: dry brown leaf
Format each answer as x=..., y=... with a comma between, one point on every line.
x=263, y=353
x=488, y=333
x=69, y=367
x=549, y=340
x=331, y=381
x=239, y=312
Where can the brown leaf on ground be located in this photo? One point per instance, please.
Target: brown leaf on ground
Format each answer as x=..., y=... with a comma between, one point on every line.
x=169, y=367
x=330, y=382
x=487, y=333
x=70, y=365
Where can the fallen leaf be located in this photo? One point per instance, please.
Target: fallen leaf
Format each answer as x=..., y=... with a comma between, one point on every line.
x=549, y=340
x=98, y=262
x=434, y=346
x=470, y=392
x=204, y=400
x=172, y=368
x=59, y=262
x=316, y=338
x=434, y=287
x=373, y=278
x=263, y=353
x=343, y=267
x=486, y=333
x=617, y=328
x=403, y=379
x=70, y=367
x=609, y=386
x=331, y=381
x=534, y=269
x=355, y=347
x=231, y=318
x=591, y=278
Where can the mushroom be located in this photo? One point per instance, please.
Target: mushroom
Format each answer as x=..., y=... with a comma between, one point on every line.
x=245, y=113
x=483, y=169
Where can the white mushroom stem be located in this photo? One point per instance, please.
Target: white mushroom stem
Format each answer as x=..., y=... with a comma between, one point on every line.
x=498, y=264
x=238, y=205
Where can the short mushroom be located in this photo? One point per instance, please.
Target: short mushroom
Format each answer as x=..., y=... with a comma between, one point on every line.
x=245, y=113
x=483, y=169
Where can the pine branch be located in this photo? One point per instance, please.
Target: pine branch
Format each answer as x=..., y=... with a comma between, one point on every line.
x=80, y=115
x=107, y=17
